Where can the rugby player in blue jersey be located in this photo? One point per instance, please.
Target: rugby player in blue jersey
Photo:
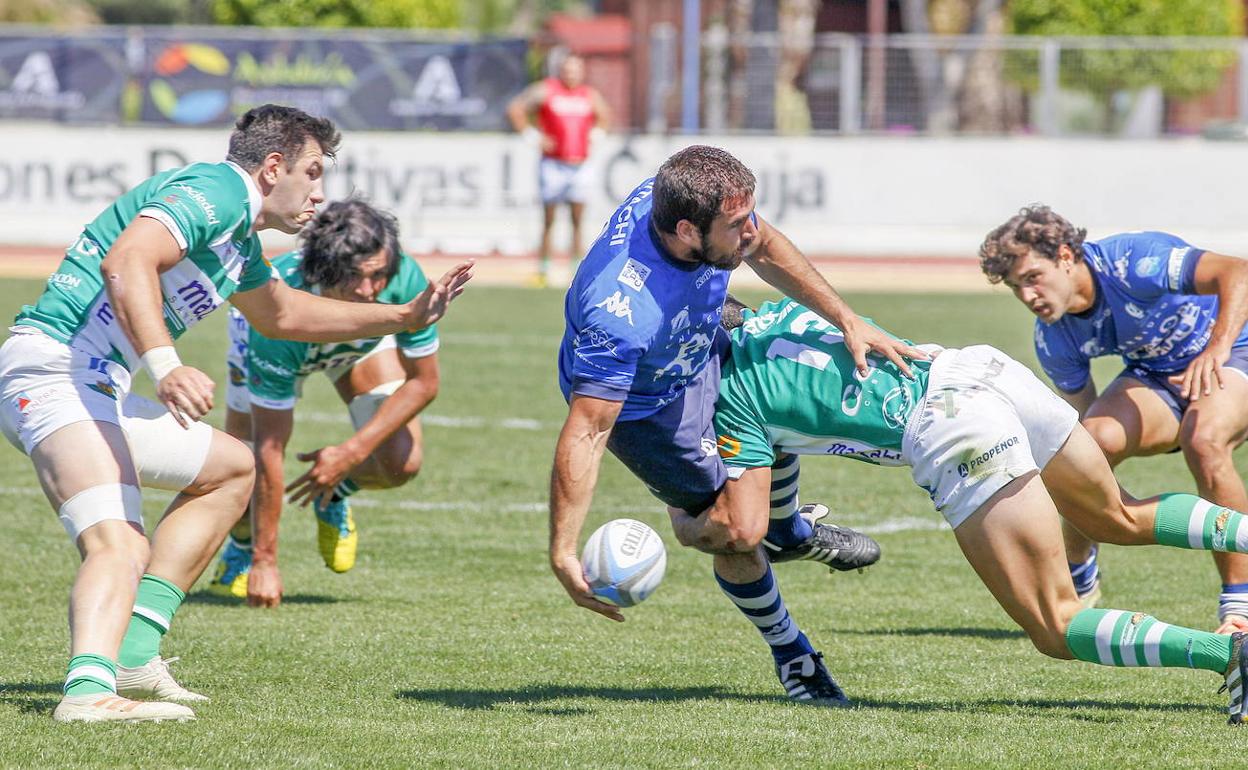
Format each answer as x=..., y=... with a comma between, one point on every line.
x=639, y=365
x=1176, y=315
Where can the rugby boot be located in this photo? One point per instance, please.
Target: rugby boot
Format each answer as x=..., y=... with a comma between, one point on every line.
x=807, y=681
x=107, y=707
x=335, y=534
x=232, y=570
x=836, y=547
x=154, y=680
x=1237, y=678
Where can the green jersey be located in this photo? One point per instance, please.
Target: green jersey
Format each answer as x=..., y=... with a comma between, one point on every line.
x=791, y=385
x=209, y=208
x=276, y=369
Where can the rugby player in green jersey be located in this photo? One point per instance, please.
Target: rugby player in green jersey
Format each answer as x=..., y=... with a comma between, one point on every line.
x=350, y=252
x=155, y=262
x=1004, y=460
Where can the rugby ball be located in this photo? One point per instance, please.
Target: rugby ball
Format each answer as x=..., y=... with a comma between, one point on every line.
x=624, y=561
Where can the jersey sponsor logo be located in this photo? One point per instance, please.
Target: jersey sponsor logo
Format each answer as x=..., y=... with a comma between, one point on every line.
x=728, y=446
x=708, y=447
x=268, y=366
x=64, y=279
x=979, y=461
x=622, y=224
x=23, y=401
x=197, y=300
x=1133, y=310
x=633, y=274
x=619, y=306
x=596, y=337
x=871, y=454
x=1148, y=266
x=681, y=321
x=205, y=205
x=1174, y=268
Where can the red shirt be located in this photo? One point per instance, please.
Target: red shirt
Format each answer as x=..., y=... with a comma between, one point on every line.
x=567, y=115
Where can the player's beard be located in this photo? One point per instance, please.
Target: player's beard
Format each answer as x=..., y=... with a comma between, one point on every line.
x=729, y=261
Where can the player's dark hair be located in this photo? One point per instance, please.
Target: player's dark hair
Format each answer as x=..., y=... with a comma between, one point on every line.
x=341, y=236
x=1035, y=228
x=734, y=313
x=274, y=128
x=694, y=184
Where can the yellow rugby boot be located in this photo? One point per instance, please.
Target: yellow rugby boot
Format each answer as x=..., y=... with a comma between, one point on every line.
x=335, y=534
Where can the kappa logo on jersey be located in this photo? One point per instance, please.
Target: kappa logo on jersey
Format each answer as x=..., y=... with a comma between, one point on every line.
x=633, y=274
x=706, y=274
x=619, y=306
x=681, y=321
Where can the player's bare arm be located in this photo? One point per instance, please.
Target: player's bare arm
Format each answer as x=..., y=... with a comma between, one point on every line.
x=270, y=432
x=1226, y=277
x=278, y=311
x=332, y=464
x=578, y=455
x=780, y=263
x=1081, y=399
x=131, y=271
x=736, y=523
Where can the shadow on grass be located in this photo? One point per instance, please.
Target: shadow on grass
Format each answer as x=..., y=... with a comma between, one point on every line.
x=967, y=633
x=204, y=597
x=17, y=695
x=540, y=699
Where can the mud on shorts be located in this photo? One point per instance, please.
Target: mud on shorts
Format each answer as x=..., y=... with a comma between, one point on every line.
x=985, y=421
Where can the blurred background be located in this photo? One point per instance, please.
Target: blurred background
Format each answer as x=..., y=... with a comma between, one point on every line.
x=887, y=135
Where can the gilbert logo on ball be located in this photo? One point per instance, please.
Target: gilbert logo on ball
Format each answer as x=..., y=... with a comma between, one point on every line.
x=624, y=562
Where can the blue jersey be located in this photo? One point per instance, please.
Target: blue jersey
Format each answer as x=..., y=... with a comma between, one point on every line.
x=1146, y=310
x=639, y=324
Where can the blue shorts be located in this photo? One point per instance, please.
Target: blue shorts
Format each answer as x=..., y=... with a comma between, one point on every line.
x=673, y=450
x=1159, y=382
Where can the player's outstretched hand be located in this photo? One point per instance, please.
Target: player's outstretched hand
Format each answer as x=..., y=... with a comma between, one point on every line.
x=1202, y=375
x=264, y=585
x=329, y=467
x=187, y=393
x=430, y=305
x=862, y=338
x=572, y=576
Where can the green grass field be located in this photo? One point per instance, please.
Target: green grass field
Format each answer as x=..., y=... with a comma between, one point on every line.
x=451, y=644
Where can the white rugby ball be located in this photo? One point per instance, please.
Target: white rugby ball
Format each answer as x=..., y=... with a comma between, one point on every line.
x=624, y=561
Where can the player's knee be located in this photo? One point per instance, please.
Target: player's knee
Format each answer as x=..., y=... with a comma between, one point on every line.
x=234, y=465
x=1109, y=436
x=1049, y=638
x=123, y=547
x=1207, y=452
x=733, y=533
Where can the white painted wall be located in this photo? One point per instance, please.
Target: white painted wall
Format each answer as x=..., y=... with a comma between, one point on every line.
x=885, y=196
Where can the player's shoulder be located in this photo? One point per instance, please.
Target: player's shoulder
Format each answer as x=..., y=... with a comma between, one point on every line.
x=1138, y=259
x=287, y=267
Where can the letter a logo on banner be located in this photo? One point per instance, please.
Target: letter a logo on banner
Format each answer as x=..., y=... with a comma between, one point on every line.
x=37, y=76
x=437, y=82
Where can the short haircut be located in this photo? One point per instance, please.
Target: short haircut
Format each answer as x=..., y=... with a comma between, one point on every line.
x=694, y=184
x=341, y=236
x=734, y=313
x=274, y=128
x=1035, y=228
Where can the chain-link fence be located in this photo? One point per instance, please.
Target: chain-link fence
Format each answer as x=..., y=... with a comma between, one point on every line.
x=1135, y=87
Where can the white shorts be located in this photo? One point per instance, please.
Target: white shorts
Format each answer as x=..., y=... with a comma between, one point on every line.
x=238, y=397
x=560, y=182
x=986, y=420
x=46, y=385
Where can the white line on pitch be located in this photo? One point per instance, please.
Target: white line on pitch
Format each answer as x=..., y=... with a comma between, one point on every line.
x=439, y=420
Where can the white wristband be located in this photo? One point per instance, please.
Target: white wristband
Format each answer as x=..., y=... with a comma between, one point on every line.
x=159, y=361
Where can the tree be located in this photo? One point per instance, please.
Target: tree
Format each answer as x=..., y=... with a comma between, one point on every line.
x=410, y=14
x=68, y=12
x=1176, y=72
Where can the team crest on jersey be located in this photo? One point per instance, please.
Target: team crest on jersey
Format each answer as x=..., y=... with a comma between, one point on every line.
x=237, y=376
x=1147, y=266
x=619, y=306
x=106, y=387
x=633, y=274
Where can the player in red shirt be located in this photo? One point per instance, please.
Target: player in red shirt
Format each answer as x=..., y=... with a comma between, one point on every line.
x=566, y=115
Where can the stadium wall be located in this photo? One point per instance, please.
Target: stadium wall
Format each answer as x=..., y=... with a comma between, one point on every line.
x=476, y=193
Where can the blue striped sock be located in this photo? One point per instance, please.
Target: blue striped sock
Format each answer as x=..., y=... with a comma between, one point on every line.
x=760, y=601
x=1234, y=600
x=1085, y=574
x=786, y=529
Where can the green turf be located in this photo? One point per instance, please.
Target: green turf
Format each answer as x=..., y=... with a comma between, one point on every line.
x=451, y=644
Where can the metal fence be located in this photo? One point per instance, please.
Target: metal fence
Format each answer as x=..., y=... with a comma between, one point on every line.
x=835, y=83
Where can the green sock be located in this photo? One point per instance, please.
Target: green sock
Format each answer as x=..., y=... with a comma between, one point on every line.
x=157, y=601
x=1118, y=638
x=1187, y=521
x=90, y=674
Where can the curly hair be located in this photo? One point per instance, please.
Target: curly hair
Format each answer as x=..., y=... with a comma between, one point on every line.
x=694, y=184
x=1035, y=228
x=275, y=128
x=341, y=236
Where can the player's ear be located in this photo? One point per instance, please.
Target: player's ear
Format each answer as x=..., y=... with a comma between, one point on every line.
x=269, y=166
x=689, y=234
